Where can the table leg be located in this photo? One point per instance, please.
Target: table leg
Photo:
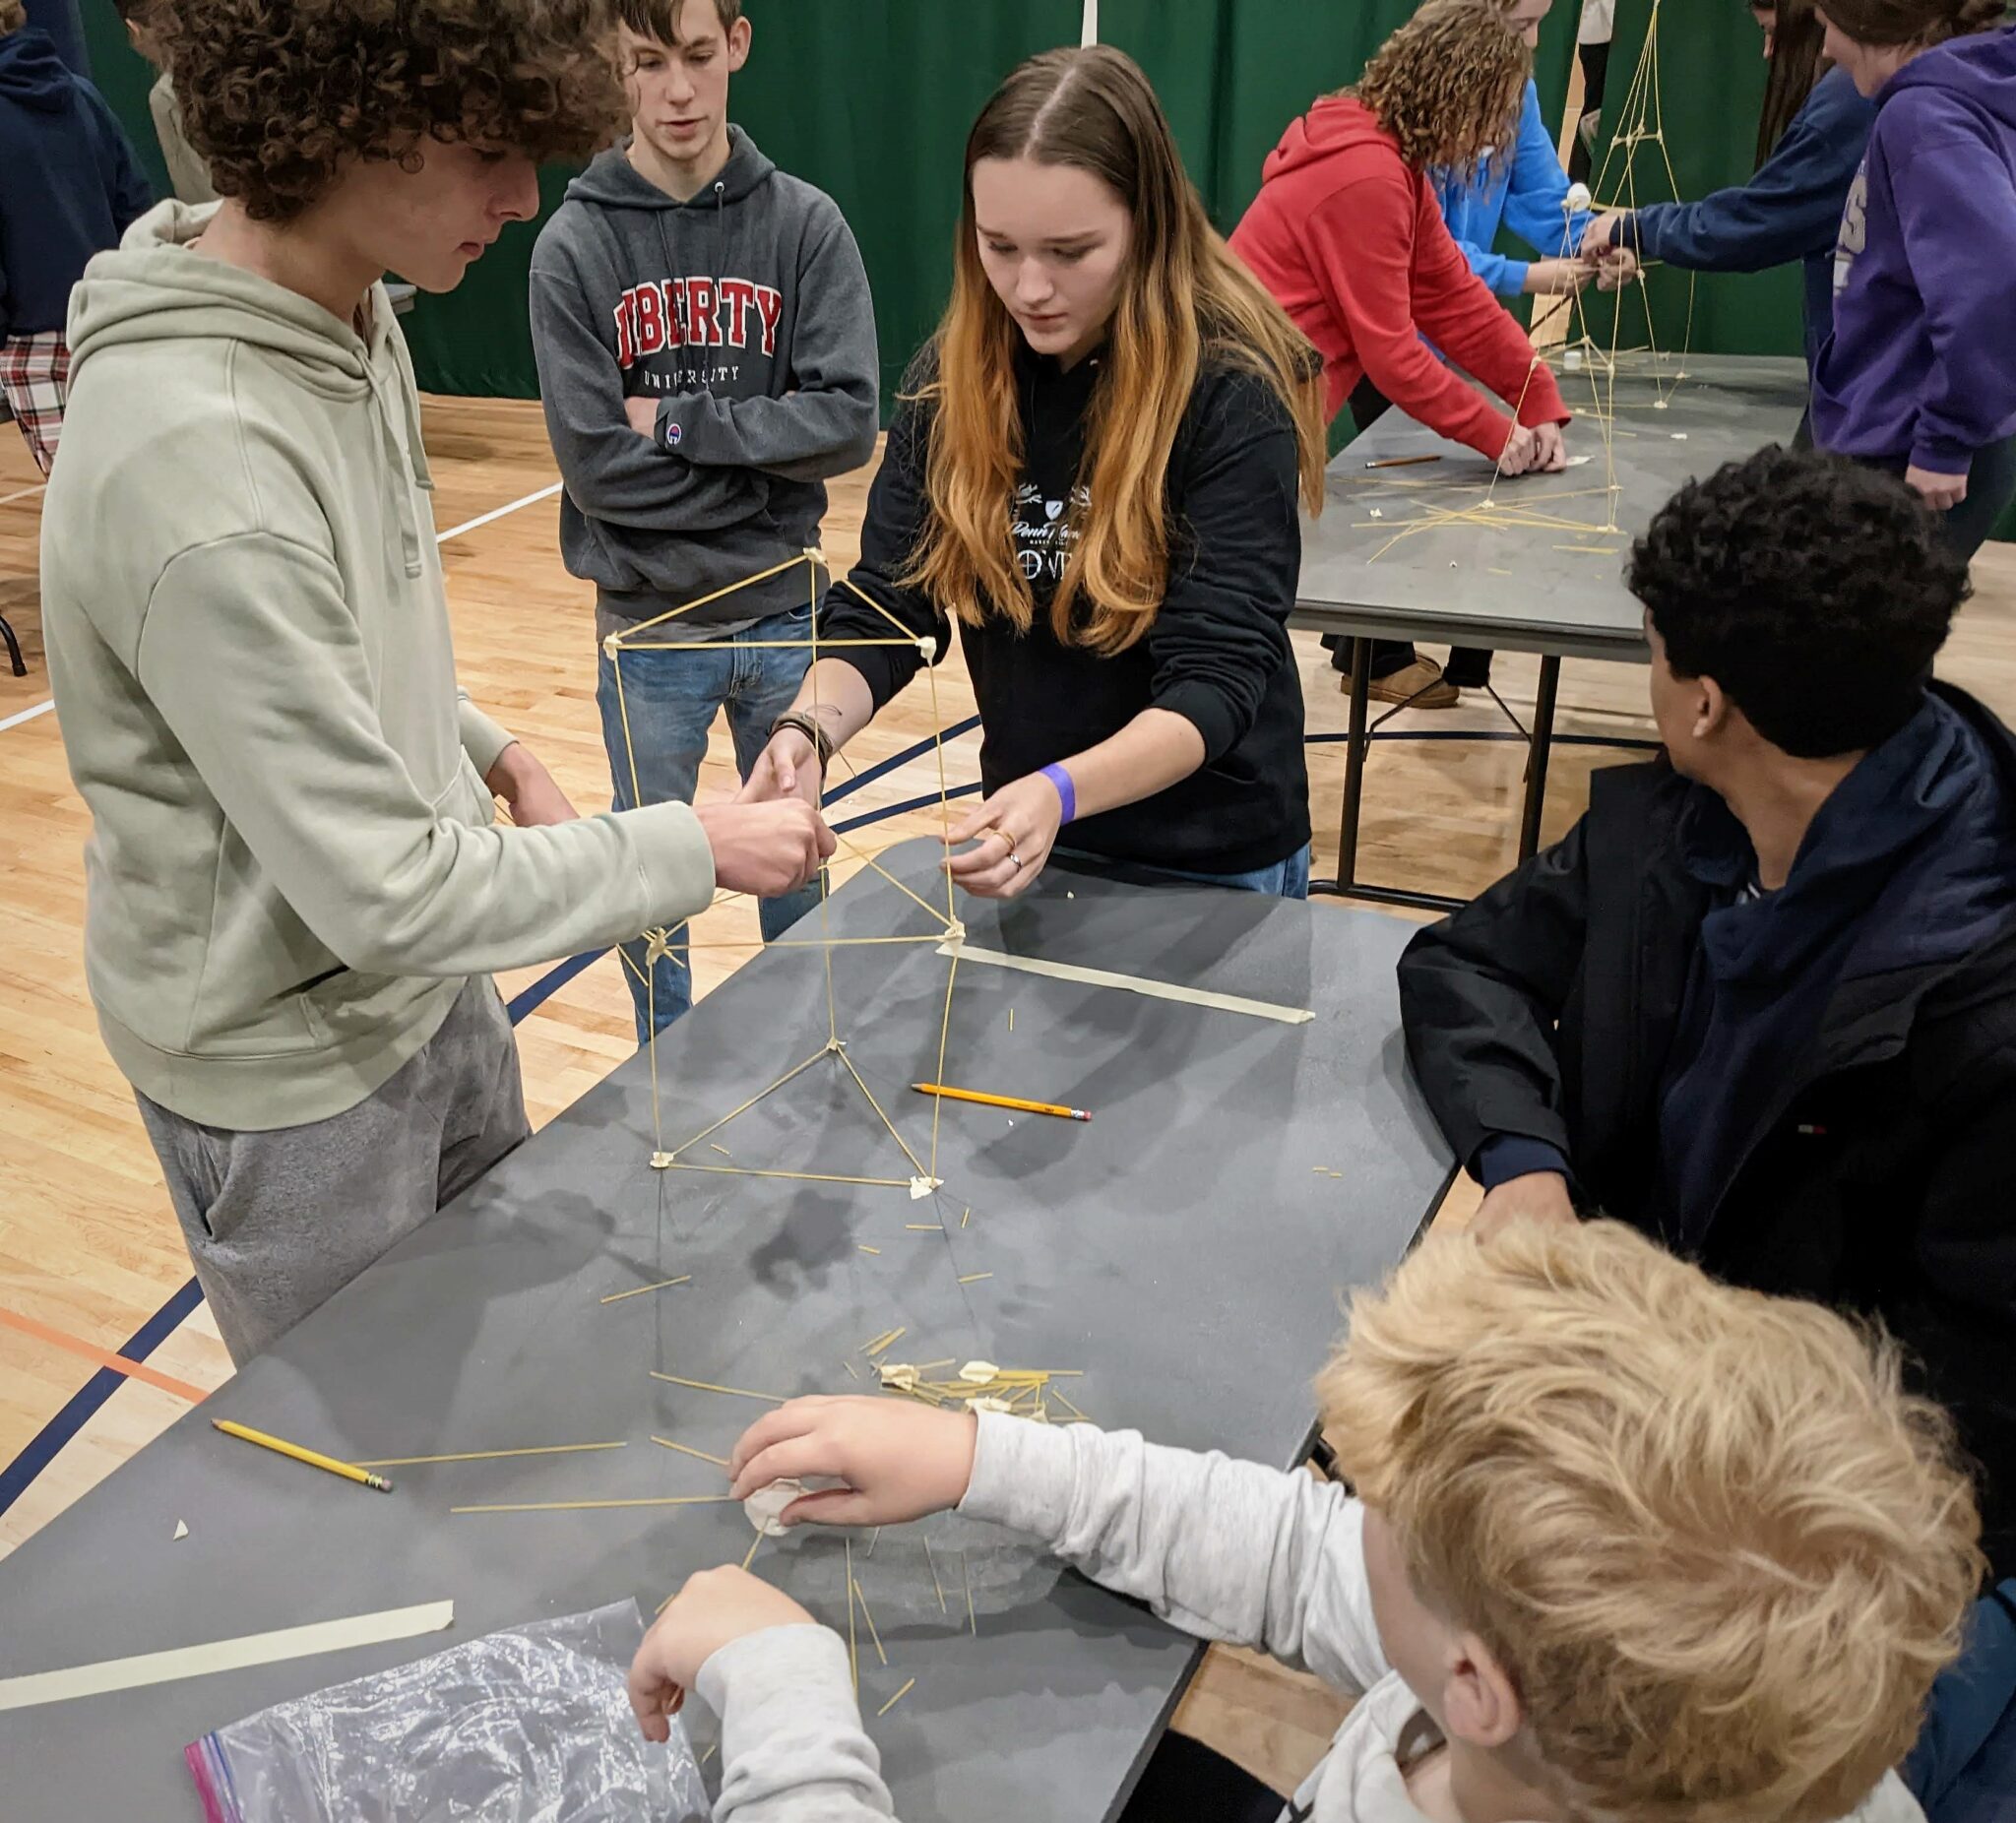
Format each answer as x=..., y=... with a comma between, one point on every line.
x=1354, y=764
x=1347, y=885
x=1538, y=755
x=1344, y=884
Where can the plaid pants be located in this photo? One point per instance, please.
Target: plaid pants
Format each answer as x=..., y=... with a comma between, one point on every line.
x=34, y=376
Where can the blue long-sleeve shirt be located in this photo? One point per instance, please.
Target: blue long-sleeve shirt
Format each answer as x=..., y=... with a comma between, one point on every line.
x=1525, y=192
x=1790, y=209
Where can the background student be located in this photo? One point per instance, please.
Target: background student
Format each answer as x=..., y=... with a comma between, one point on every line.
x=1919, y=375
x=1347, y=234
x=706, y=349
x=1095, y=473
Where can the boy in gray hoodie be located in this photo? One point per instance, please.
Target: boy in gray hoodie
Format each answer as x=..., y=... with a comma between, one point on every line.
x=706, y=347
x=298, y=891
x=1624, y=1543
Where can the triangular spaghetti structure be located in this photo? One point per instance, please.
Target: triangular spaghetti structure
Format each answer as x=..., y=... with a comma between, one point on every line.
x=923, y=1178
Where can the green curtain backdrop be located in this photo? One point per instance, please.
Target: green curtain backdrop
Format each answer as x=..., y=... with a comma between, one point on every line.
x=123, y=77
x=1232, y=74
x=872, y=101
x=819, y=95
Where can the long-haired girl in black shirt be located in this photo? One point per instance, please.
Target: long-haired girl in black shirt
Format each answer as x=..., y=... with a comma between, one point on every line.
x=1094, y=471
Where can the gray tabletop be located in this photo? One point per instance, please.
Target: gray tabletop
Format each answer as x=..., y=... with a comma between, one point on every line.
x=1186, y=1251
x=1382, y=562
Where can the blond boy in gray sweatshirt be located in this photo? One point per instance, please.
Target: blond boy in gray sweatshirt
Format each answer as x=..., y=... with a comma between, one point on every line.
x=1625, y=1544
x=297, y=888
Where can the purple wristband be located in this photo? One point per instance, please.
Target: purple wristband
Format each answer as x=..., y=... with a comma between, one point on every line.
x=1067, y=792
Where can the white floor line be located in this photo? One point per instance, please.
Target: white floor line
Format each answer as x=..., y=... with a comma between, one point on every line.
x=9, y=499
x=26, y=714
x=456, y=532
x=453, y=531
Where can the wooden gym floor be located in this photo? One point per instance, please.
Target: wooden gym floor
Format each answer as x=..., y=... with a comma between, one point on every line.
x=89, y=1247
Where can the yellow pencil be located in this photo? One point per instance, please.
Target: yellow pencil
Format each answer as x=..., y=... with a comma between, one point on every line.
x=1002, y=1100
x=313, y=1459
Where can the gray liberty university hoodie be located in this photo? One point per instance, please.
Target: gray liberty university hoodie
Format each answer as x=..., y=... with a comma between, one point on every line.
x=745, y=313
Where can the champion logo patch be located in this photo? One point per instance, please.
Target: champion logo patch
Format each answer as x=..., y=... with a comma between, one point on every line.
x=672, y=435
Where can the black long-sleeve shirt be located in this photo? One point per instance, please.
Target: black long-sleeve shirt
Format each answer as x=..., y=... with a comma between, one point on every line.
x=1218, y=653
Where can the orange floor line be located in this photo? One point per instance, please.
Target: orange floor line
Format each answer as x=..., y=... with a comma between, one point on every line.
x=118, y=1363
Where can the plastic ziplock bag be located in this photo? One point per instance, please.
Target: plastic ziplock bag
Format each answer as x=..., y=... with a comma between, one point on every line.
x=532, y=1724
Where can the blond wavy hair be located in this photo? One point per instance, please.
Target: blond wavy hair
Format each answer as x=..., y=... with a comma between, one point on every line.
x=13, y=16
x=1717, y=1549
x=1185, y=299
x=1448, y=84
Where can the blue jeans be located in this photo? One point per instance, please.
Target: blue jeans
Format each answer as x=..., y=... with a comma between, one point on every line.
x=672, y=697
x=1289, y=879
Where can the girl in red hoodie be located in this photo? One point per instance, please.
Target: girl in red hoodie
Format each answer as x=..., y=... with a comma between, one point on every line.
x=1347, y=234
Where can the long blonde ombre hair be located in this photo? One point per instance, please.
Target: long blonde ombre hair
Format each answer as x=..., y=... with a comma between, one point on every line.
x=1185, y=299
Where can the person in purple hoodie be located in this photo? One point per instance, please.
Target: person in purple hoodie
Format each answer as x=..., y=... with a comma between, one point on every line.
x=1919, y=374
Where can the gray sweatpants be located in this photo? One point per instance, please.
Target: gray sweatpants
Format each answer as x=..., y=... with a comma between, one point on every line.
x=279, y=1222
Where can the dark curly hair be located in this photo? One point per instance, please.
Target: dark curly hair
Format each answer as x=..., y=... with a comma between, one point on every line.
x=1814, y=590
x=278, y=95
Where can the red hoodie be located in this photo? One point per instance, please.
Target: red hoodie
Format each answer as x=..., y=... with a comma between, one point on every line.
x=1350, y=240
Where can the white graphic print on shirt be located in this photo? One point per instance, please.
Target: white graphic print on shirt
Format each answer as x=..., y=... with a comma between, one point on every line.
x=1853, y=227
x=1045, y=532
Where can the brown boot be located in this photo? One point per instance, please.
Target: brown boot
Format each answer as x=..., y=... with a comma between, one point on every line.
x=1418, y=685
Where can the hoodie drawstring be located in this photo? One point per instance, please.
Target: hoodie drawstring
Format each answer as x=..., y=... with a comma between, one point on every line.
x=403, y=478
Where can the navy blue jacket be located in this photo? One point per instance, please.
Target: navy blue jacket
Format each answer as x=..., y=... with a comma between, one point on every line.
x=1790, y=209
x=1860, y=1154
x=1963, y=1769
x=69, y=182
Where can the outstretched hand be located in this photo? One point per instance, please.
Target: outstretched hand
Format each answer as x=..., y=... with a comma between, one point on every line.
x=766, y=849
x=894, y=1461
x=787, y=767
x=1539, y=449
x=1941, y=492
x=714, y=1610
x=1014, y=832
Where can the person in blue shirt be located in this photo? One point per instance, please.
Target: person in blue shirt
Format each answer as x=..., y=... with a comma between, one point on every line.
x=1526, y=193
x=1790, y=209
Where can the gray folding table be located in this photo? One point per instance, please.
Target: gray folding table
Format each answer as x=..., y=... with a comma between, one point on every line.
x=1184, y=1252
x=1386, y=560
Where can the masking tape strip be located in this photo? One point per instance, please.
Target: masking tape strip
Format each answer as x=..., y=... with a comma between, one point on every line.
x=160, y=1667
x=1133, y=983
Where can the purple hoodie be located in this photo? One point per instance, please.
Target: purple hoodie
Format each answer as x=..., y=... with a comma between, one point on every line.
x=1922, y=365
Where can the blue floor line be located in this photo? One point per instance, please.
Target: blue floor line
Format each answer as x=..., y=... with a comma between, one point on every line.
x=19, y=1475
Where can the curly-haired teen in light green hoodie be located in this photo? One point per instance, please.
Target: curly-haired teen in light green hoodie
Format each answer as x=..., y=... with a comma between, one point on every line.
x=297, y=889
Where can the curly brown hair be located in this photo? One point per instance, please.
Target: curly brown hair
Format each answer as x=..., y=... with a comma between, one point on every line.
x=278, y=95
x=1448, y=84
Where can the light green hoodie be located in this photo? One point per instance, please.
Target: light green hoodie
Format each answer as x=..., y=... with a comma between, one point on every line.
x=292, y=865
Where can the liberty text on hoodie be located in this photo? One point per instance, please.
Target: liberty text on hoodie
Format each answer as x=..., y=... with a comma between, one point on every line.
x=745, y=312
x=1350, y=241
x=292, y=866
